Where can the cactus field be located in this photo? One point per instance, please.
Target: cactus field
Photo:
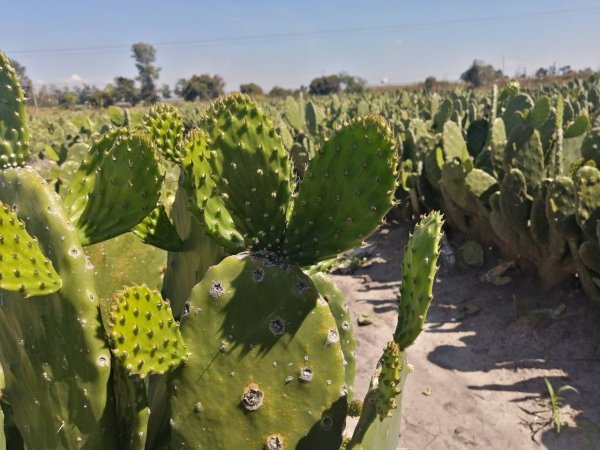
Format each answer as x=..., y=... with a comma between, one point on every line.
x=367, y=271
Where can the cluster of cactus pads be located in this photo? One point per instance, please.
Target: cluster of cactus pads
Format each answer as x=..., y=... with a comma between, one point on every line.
x=247, y=346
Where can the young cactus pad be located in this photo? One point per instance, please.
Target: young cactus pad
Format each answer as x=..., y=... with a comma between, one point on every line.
x=145, y=337
x=418, y=273
x=23, y=267
x=14, y=137
x=266, y=364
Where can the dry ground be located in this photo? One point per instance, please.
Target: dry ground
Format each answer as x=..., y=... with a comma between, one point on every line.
x=480, y=365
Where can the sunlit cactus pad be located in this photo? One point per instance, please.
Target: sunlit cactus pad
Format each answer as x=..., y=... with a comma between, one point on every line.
x=23, y=267
x=145, y=337
x=14, y=137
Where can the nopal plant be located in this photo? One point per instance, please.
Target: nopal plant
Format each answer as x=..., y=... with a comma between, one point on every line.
x=254, y=352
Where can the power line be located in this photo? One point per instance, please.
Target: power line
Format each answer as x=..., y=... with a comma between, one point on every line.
x=315, y=34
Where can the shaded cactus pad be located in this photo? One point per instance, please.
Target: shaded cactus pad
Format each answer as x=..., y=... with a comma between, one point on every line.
x=23, y=267
x=145, y=337
x=266, y=364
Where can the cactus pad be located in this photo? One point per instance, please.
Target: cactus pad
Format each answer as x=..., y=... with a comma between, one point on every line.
x=24, y=268
x=348, y=187
x=121, y=184
x=336, y=301
x=145, y=337
x=56, y=365
x=157, y=230
x=515, y=203
x=388, y=383
x=165, y=126
x=250, y=169
x=265, y=361
x=587, y=187
x=418, y=272
x=14, y=137
x=455, y=146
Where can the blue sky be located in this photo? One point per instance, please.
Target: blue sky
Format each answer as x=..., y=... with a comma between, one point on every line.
x=287, y=43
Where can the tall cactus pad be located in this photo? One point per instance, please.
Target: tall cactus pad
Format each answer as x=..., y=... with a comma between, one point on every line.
x=587, y=187
x=266, y=365
x=388, y=384
x=524, y=152
x=165, y=126
x=561, y=206
x=515, y=203
x=418, y=273
x=250, y=168
x=336, y=301
x=145, y=337
x=126, y=187
x=455, y=146
x=23, y=267
x=56, y=365
x=348, y=187
x=205, y=201
x=14, y=137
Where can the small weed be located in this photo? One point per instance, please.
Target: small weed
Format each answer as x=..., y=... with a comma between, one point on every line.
x=555, y=403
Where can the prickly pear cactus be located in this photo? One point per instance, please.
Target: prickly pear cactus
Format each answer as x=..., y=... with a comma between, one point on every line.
x=379, y=423
x=265, y=356
x=165, y=126
x=24, y=267
x=14, y=135
x=57, y=377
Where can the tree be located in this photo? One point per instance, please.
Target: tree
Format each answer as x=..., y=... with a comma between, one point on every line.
x=202, y=87
x=480, y=73
x=125, y=90
x=145, y=55
x=251, y=89
x=279, y=92
x=541, y=73
x=429, y=83
x=165, y=91
x=26, y=83
x=325, y=85
x=352, y=84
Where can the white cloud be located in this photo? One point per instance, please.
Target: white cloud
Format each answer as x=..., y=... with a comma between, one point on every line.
x=74, y=79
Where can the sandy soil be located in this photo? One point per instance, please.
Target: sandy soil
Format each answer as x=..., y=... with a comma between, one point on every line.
x=481, y=362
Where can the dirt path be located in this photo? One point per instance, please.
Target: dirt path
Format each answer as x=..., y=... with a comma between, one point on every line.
x=481, y=363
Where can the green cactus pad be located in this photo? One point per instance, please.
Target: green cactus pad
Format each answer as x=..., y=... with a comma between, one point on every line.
x=418, y=273
x=24, y=268
x=473, y=254
x=497, y=144
x=515, y=203
x=454, y=143
x=205, y=202
x=524, y=152
x=388, y=385
x=165, y=126
x=517, y=111
x=337, y=303
x=250, y=168
x=578, y=127
x=157, y=230
x=477, y=136
x=372, y=432
x=56, y=364
x=587, y=188
x=348, y=187
x=540, y=113
x=590, y=149
x=481, y=184
x=14, y=136
x=561, y=206
x=265, y=361
x=121, y=185
x=145, y=337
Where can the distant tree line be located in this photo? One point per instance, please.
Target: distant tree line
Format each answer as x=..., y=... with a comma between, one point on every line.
x=144, y=87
